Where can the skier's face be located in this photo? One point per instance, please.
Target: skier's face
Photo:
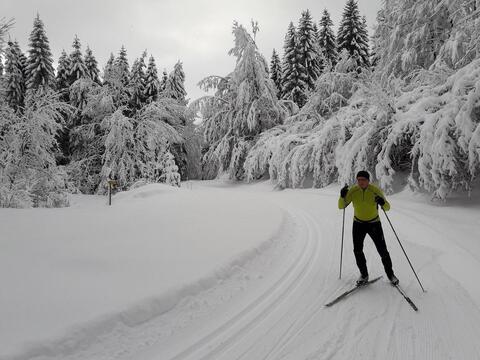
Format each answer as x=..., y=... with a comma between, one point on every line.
x=363, y=182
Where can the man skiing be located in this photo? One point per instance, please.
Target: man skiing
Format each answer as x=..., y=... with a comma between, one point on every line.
x=366, y=198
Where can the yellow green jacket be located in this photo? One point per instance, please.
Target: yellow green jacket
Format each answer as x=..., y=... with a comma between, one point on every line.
x=365, y=207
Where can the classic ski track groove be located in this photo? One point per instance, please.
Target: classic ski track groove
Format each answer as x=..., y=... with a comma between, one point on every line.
x=220, y=339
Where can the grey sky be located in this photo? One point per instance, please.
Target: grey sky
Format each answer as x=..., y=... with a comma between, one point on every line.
x=197, y=32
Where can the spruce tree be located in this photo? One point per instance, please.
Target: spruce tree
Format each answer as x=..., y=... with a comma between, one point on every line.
x=77, y=65
x=276, y=72
x=352, y=34
x=91, y=65
x=121, y=66
x=170, y=170
x=308, y=55
x=108, y=70
x=23, y=61
x=293, y=84
x=163, y=83
x=152, y=85
x=63, y=75
x=365, y=39
x=175, y=87
x=39, y=66
x=137, y=82
x=14, y=80
x=326, y=39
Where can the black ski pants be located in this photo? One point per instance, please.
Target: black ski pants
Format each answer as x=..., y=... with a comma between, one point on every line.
x=374, y=229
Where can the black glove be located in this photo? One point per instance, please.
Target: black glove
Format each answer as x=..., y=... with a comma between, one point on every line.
x=379, y=200
x=344, y=191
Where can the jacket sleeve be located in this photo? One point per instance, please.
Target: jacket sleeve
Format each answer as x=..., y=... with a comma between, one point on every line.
x=343, y=203
x=380, y=193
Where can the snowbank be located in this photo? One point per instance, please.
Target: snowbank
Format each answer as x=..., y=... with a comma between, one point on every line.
x=70, y=274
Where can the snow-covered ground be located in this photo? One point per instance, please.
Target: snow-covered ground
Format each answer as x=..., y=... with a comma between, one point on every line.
x=225, y=271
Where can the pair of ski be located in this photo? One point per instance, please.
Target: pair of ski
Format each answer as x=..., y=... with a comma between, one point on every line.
x=357, y=287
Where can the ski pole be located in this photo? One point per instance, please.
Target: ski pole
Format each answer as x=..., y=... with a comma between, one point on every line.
x=341, y=248
x=403, y=250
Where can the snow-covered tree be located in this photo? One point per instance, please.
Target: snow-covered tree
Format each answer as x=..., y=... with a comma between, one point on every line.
x=108, y=70
x=293, y=73
x=308, y=51
x=244, y=105
x=170, y=171
x=156, y=130
x=163, y=82
x=92, y=66
x=119, y=161
x=352, y=34
x=63, y=71
x=175, y=86
x=29, y=175
x=78, y=69
x=14, y=81
x=87, y=138
x=326, y=39
x=152, y=85
x=39, y=67
x=276, y=72
x=137, y=82
x=418, y=34
x=304, y=147
x=122, y=67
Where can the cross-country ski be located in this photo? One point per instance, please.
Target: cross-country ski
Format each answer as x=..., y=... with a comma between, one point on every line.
x=410, y=302
x=352, y=290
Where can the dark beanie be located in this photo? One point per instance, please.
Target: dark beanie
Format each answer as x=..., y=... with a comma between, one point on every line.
x=363, y=174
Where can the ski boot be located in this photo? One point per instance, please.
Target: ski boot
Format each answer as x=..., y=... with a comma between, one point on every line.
x=362, y=280
x=393, y=280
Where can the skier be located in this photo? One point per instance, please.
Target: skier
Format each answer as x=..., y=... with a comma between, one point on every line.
x=366, y=198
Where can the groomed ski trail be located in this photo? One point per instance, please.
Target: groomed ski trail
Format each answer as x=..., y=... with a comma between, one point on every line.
x=286, y=318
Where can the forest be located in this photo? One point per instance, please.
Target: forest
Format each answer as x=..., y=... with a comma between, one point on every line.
x=402, y=102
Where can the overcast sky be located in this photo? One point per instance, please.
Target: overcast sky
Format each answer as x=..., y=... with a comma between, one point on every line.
x=197, y=32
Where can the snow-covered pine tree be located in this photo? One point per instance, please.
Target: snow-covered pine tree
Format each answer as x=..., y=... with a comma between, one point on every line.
x=326, y=39
x=92, y=66
x=175, y=86
x=108, y=70
x=78, y=69
x=308, y=52
x=163, y=82
x=63, y=75
x=316, y=31
x=119, y=157
x=63, y=87
x=87, y=138
x=14, y=81
x=276, y=72
x=152, y=85
x=417, y=34
x=159, y=125
x=116, y=78
x=137, y=82
x=293, y=84
x=39, y=69
x=121, y=66
x=170, y=171
x=23, y=61
x=353, y=36
x=29, y=175
x=244, y=105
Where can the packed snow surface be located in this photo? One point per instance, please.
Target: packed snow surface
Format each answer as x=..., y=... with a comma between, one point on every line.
x=216, y=270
